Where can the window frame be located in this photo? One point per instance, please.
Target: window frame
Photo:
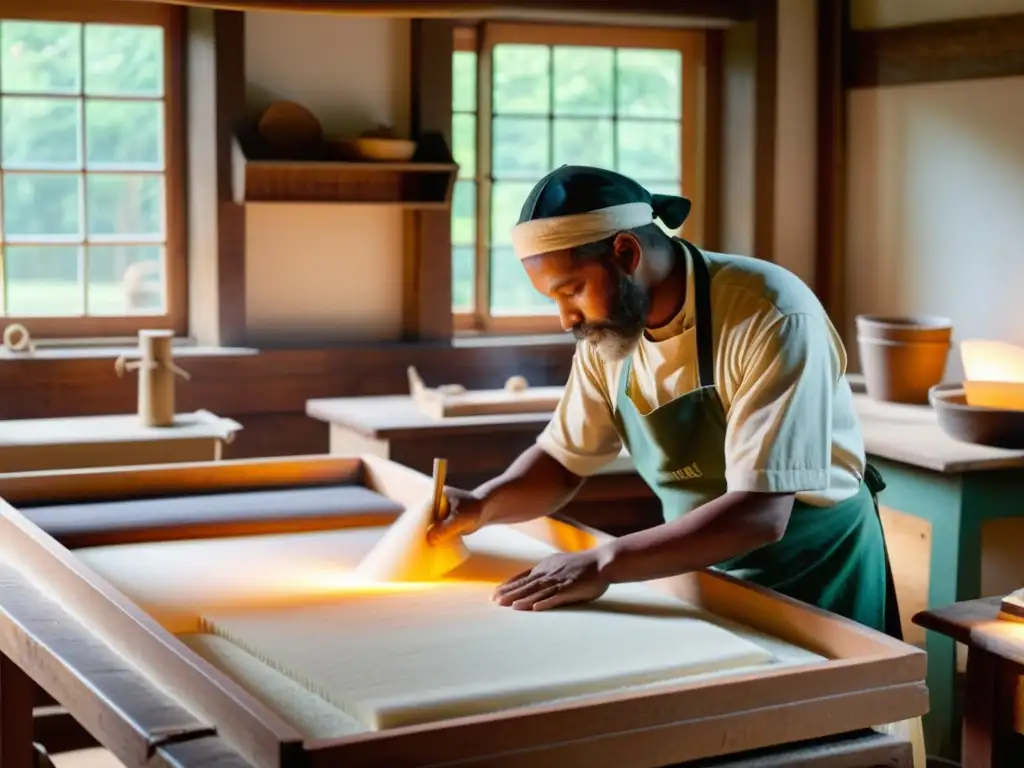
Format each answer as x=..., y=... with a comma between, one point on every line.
x=171, y=19
x=481, y=39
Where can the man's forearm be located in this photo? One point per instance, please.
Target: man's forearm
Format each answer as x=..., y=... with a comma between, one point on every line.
x=533, y=486
x=728, y=526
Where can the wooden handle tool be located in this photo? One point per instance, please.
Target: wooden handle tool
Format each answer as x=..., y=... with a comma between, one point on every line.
x=440, y=502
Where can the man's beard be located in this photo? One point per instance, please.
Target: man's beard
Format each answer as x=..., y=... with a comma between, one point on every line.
x=617, y=337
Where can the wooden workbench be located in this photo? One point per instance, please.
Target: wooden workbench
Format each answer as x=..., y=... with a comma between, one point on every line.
x=478, y=448
x=30, y=445
x=142, y=692
x=395, y=427
x=941, y=497
x=993, y=723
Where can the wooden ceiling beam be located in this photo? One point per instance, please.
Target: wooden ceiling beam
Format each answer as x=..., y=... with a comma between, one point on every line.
x=690, y=13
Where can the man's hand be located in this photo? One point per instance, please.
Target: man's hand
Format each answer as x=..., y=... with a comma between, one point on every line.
x=535, y=485
x=466, y=514
x=557, y=580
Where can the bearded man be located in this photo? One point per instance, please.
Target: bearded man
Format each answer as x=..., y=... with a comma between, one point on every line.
x=723, y=378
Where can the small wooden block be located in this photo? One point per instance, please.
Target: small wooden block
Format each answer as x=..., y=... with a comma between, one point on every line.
x=1012, y=606
x=440, y=403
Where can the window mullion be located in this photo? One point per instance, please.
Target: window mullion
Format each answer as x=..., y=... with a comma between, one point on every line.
x=83, y=208
x=485, y=179
x=615, y=109
x=551, y=107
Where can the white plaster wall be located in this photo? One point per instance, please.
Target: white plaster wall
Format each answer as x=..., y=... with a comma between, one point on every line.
x=323, y=273
x=935, y=195
x=796, y=138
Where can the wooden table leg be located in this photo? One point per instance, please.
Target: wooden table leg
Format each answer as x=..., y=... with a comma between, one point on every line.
x=977, y=746
x=1017, y=706
x=954, y=574
x=16, y=697
x=989, y=712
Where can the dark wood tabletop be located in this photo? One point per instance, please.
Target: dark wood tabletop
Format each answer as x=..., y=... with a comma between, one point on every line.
x=993, y=707
x=976, y=624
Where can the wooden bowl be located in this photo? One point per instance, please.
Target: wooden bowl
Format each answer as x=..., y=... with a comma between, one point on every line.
x=995, y=427
x=384, y=150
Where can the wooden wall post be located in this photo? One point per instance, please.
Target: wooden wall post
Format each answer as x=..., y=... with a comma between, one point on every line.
x=830, y=263
x=766, y=85
x=216, y=238
x=427, y=288
x=749, y=91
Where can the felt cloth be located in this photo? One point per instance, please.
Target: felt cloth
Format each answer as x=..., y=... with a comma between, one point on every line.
x=436, y=651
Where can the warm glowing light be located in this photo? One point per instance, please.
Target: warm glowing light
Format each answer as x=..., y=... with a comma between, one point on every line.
x=986, y=360
x=327, y=581
x=994, y=373
x=1004, y=395
x=352, y=582
x=331, y=581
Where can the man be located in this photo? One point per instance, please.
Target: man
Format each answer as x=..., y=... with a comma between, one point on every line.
x=723, y=378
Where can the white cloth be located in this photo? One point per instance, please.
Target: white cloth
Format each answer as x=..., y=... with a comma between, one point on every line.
x=560, y=232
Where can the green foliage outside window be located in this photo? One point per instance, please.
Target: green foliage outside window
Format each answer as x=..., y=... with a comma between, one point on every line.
x=81, y=168
x=617, y=108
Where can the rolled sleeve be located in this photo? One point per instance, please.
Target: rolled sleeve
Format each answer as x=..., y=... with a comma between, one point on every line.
x=582, y=435
x=779, y=433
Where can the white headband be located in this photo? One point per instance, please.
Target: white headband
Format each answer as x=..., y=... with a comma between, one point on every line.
x=560, y=232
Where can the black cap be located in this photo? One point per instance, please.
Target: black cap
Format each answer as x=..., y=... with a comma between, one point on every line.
x=576, y=189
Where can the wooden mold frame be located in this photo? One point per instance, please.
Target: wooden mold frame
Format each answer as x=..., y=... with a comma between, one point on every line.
x=453, y=400
x=139, y=690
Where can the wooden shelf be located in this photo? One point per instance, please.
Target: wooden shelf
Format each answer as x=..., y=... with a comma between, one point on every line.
x=415, y=184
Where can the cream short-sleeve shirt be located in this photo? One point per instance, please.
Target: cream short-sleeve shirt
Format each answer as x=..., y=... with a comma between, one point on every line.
x=780, y=372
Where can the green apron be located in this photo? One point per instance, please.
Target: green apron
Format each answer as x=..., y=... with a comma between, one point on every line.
x=832, y=557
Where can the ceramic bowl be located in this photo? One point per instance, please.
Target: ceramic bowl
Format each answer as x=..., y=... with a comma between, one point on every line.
x=995, y=427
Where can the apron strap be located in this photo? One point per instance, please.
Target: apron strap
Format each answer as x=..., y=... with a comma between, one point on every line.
x=893, y=625
x=624, y=374
x=702, y=312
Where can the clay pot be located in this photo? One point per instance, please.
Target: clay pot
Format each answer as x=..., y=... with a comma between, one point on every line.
x=925, y=328
x=903, y=357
